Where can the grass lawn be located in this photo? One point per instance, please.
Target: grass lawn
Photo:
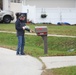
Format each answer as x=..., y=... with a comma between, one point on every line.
x=57, y=46
x=52, y=29
x=34, y=45
x=61, y=71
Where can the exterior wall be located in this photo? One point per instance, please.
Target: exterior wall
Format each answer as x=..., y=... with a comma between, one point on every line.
x=51, y=3
x=44, y=3
x=6, y=4
x=55, y=9
x=15, y=7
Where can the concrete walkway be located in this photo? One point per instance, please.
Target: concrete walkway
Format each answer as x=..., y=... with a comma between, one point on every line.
x=36, y=34
x=59, y=61
x=12, y=64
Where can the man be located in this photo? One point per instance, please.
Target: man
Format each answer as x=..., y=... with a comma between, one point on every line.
x=20, y=28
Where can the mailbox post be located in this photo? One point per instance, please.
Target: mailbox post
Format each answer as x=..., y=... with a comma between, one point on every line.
x=42, y=31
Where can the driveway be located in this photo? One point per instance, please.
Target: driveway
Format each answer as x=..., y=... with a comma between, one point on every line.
x=12, y=64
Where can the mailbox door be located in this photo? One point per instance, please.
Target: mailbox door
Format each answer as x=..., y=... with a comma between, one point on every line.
x=41, y=30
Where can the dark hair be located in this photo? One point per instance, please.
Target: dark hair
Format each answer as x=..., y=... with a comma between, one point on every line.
x=19, y=15
x=22, y=15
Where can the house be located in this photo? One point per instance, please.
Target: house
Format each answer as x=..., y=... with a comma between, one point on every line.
x=56, y=10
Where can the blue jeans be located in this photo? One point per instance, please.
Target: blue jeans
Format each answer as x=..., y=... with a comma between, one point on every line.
x=21, y=43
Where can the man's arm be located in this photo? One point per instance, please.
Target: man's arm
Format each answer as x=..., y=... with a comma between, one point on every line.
x=28, y=29
x=17, y=26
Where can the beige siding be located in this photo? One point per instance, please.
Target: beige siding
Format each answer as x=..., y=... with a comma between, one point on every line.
x=52, y=3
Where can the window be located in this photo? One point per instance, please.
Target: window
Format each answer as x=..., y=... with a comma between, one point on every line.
x=16, y=1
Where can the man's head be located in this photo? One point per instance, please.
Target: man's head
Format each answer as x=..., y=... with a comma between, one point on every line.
x=22, y=17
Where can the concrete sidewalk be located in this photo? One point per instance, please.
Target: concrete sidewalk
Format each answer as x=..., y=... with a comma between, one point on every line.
x=59, y=61
x=36, y=34
x=12, y=64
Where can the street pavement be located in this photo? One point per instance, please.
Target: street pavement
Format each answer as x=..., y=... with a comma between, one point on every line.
x=12, y=64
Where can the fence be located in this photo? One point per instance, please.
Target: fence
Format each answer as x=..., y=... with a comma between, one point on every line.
x=54, y=15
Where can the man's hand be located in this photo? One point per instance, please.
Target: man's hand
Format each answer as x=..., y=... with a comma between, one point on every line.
x=23, y=27
x=31, y=31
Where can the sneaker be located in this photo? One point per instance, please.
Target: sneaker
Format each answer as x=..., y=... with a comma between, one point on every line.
x=17, y=53
x=22, y=53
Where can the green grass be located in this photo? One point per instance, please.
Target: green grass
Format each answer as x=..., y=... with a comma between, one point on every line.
x=7, y=27
x=62, y=71
x=57, y=46
x=62, y=30
x=71, y=70
x=34, y=45
x=52, y=29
